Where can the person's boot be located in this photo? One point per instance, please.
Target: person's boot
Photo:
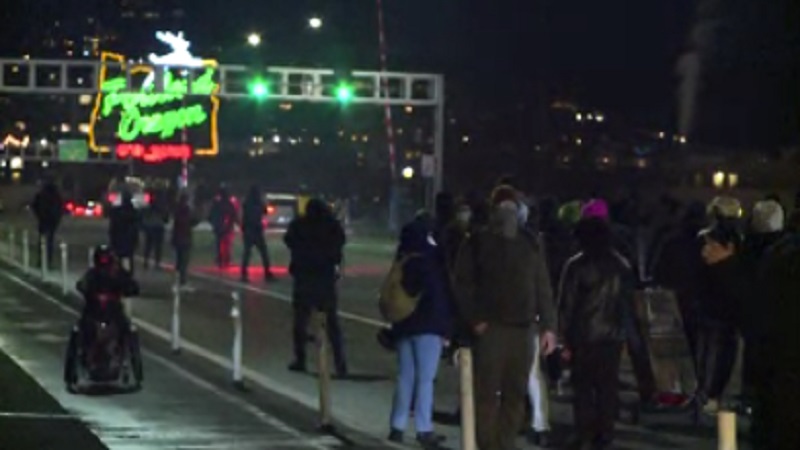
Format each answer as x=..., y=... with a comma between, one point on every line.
x=269, y=276
x=395, y=436
x=430, y=441
x=297, y=366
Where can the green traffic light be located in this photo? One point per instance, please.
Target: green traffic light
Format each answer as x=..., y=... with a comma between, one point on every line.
x=259, y=89
x=344, y=93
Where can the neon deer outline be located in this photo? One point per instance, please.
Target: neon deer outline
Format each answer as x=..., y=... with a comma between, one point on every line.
x=179, y=57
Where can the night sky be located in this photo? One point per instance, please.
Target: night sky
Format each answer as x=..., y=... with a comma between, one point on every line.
x=616, y=55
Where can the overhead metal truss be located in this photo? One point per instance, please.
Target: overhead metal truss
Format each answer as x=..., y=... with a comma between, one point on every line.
x=79, y=77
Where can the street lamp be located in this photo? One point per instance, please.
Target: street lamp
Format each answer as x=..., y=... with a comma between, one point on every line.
x=254, y=39
x=408, y=172
x=315, y=22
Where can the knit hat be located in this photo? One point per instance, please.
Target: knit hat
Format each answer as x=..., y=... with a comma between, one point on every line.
x=595, y=208
x=503, y=193
x=570, y=213
x=725, y=207
x=768, y=217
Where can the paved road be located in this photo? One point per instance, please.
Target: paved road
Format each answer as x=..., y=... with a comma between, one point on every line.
x=360, y=403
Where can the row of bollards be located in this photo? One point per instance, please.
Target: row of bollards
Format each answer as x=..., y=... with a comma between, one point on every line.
x=726, y=421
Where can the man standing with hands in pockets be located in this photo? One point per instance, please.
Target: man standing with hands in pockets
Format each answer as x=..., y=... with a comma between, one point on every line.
x=503, y=291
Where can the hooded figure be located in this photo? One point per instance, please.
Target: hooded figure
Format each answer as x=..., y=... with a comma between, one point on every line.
x=123, y=231
x=253, y=233
x=316, y=243
x=419, y=338
x=595, y=306
x=48, y=207
x=503, y=292
x=223, y=218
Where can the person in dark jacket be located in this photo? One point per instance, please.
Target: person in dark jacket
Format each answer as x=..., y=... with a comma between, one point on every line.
x=316, y=243
x=223, y=218
x=595, y=302
x=182, y=226
x=103, y=287
x=253, y=233
x=420, y=337
x=48, y=208
x=776, y=418
x=154, y=224
x=123, y=231
x=678, y=264
x=723, y=284
x=503, y=292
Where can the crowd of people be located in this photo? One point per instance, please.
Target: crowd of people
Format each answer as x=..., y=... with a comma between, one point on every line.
x=534, y=285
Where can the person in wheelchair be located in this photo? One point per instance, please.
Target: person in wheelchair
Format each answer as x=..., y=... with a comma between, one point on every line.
x=103, y=287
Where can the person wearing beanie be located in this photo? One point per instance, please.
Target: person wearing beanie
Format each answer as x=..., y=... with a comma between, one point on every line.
x=766, y=229
x=595, y=296
x=503, y=292
x=722, y=289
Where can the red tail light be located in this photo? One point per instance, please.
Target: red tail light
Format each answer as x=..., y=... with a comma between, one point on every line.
x=112, y=197
x=80, y=210
x=70, y=206
x=270, y=209
x=147, y=198
x=98, y=210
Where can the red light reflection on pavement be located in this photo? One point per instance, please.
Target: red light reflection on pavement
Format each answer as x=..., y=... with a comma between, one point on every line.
x=257, y=271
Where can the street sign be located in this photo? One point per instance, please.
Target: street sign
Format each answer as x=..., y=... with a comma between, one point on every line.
x=428, y=166
x=73, y=150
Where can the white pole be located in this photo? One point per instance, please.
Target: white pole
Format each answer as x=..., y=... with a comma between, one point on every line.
x=64, y=268
x=11, y=242
x=323, y=367
x=90, y=259
x=236, y=315
x=726, y=428
x=468, y=441
x=26, y=251
x=176, y=318
x=43, y=257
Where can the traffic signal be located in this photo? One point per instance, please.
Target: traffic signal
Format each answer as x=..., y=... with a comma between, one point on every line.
x=344, y=93
x=259, y=89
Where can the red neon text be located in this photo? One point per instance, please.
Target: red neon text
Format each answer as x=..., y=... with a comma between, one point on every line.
x=154, y=153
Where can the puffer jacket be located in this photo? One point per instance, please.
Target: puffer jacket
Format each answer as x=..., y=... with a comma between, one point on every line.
x=595, y=296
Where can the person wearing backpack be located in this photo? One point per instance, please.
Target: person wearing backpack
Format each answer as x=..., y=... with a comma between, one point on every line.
x=420, y=335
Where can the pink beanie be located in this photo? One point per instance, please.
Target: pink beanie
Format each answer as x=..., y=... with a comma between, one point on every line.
x=595, y=208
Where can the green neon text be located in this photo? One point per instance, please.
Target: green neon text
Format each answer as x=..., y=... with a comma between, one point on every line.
x=164, y=124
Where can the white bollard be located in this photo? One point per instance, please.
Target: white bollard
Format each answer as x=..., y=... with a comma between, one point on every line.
x=236, y=315
x=90, y=259
x=11, y=242
x=43, y=258
x=26, y=251
x=176, y=318
x=64, y=268
x=468, y=439
x=726, y=429
x=324, y=377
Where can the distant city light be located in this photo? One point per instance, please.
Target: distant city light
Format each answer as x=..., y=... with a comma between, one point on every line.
x=315, y=22
x=590, y=117
x=682, y=140
x=579, y=117
x=579, y=141
x=661, y=135
x=16, y=163
x=719, y=179
x=465, y=139
x=733, y=180
x=409, y=109
x=276, y=139
x=45, y=164
x=254, y=39
x=316, y=141
x=408, y=172
x=43, y=142
x=600, y=118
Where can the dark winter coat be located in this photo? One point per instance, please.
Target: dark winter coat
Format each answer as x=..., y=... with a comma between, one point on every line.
x=253, y=217
x=596, y=289
x=223, y=216
x=105, y=285
x=123, y=232
x=316, y=242
x=182, y=225
x=424, y=274
x=48, y=207
x=781, y=292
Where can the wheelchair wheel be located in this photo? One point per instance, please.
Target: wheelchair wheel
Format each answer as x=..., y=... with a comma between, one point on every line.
x=71, y=361
x=135, y=360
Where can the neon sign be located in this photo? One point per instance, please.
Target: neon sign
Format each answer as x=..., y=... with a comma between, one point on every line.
x=154, y=153
x=156, y=120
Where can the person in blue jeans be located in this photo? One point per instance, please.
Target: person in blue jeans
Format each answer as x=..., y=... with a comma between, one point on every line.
x=420, y=337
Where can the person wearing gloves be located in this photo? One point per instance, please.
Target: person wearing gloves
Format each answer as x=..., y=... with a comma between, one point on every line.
x=502, y=287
